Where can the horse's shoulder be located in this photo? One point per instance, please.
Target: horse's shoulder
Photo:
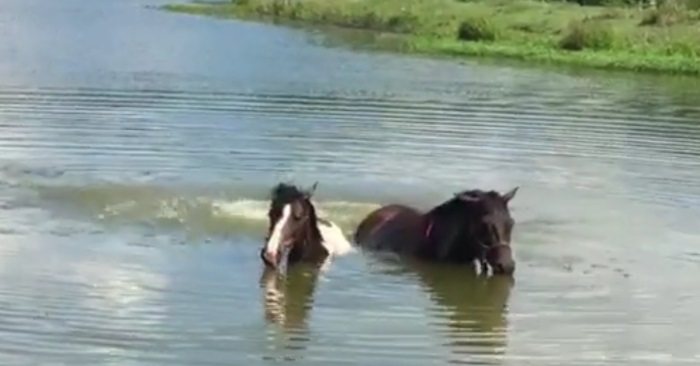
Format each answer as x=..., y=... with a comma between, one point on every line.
x=333, y=238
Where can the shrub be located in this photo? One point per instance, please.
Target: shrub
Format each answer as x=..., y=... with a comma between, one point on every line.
x=603, y=2
x=478, y=29
x=581, y=35
x=667, y=13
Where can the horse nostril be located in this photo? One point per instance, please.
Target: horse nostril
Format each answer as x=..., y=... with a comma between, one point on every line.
x=504, y=269
x=269, y=258
x=507, y=269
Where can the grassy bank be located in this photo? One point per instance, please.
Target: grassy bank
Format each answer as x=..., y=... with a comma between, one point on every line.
x=661, y=39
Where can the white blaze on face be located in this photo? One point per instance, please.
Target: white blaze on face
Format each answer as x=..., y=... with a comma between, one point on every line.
x=275, y=240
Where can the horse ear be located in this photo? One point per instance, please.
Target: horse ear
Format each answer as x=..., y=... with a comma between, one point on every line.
x=510, y=194
x=312, y=190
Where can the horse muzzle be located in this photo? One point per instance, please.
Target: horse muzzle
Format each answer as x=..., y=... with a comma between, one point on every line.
x=504, y=268
x=269, y=258
x=274, y=258
x=500, y=258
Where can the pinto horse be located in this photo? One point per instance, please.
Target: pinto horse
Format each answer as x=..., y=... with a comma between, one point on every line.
x=296, y=234
x=474, y=227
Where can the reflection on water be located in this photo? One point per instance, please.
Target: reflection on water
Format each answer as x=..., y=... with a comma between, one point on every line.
x=470, y=311
x=288, y=300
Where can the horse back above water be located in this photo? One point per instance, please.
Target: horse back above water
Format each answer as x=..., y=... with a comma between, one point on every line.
x=474, y=226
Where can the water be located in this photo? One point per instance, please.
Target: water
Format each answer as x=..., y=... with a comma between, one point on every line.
x=137, y=148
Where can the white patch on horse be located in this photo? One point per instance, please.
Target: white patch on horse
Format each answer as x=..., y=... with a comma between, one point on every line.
x=334, y=240
x=489, y=270
x=477, y=266
x=273, y=244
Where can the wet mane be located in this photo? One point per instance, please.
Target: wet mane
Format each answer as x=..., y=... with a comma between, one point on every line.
x=478, y=193
x=284, y=193
x=480, y=197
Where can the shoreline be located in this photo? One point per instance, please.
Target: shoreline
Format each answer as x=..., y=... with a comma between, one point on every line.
x=662, y=40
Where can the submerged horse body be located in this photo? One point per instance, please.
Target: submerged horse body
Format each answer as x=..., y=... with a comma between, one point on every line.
x=474, y=226
x=295, y=232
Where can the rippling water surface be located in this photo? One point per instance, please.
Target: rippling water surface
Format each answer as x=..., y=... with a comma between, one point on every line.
x=137, y=149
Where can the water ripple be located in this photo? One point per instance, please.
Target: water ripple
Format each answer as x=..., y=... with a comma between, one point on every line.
x=131, y=212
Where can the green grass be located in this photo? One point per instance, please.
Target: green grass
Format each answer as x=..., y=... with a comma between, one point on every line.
x=664, y=39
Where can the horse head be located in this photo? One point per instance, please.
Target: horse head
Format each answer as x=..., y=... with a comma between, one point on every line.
x=292, y=225
x=478, y=225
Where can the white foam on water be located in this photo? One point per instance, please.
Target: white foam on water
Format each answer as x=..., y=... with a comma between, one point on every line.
x=341, y=212
x=248, y=209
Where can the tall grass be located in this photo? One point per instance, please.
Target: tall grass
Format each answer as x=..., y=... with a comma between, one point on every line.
x=664, y=38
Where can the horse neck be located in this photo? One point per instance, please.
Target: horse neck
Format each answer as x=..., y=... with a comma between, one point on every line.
x=437, y=229
x=313, y=233
x=436, y=214
x=427, y=221
x=309, y=242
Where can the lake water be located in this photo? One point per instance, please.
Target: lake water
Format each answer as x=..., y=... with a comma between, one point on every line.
x=137, y=149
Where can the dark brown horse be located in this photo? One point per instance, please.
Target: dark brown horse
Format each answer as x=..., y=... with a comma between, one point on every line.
x=295, y=233
x=474, y=226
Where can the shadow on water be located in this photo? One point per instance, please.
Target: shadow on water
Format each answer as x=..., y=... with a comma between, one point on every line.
x=288, y=300
x=470, y=310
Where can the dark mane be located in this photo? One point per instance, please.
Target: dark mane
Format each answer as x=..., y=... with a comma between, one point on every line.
x=284, y=193
x=453, y=203
x=477, y=195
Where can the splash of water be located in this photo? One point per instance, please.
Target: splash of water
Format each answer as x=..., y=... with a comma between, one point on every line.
x=232, y=212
